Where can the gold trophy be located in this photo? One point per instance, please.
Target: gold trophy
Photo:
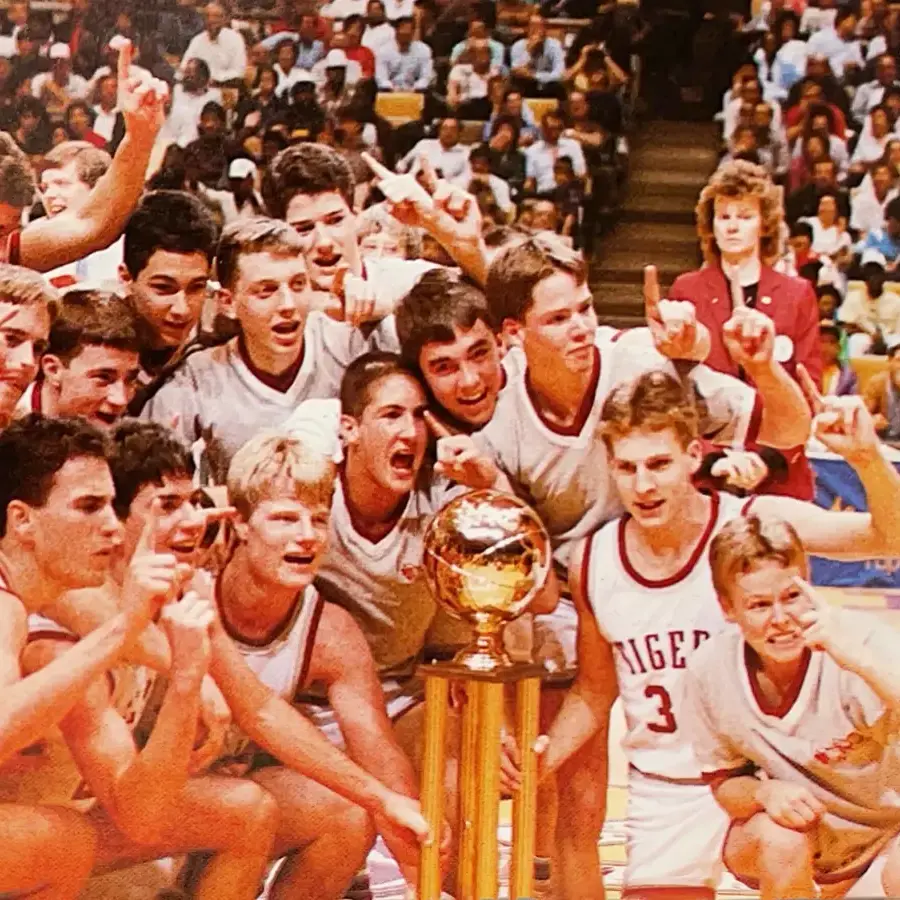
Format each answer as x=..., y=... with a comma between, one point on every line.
x=486, y=556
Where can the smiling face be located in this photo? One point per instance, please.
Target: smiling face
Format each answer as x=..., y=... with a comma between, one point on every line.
x=765, y=605
x=97, y=384
x=558, y=330
x=737, y=226
x=327, y=226
x=63, y=189
x=284, y=541
x=653, y=472
x=386, y=445
x=465, y=375
x=169, y=293
x=179, y=523
x=23, y=338
x=78, y=514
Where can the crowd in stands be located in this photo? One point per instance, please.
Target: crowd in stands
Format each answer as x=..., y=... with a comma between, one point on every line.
x=816, y=101
x=526, y=112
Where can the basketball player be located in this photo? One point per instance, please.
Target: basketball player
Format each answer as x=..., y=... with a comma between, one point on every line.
x=57, y=492
x=793, y=716
x=168, y=249
x=311, y=187
x=284, y=355
x=91, y=365
x=446, y=337
x=49, y=242
x=48, y=851
x=292, y=640
x=644, y=594
x=26, y=300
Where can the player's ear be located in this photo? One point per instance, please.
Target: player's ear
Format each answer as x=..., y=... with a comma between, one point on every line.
x=512, y=333
x=695, y=452
x=51, y=368
x=20, y=520
x=225, y=303
x=726, y=604
x=124, y=274
x=349, y=430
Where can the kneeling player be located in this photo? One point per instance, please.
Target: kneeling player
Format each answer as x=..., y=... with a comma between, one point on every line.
x=795, y=724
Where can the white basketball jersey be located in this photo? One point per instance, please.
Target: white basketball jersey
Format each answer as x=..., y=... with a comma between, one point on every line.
x=382, y=585
x=281, y=665
x=653, y=628
x=833, y=735
x=46, y=772
x=215, y=389
x=564, y=475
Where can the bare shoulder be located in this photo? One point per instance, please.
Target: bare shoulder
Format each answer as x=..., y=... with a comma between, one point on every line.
x=13, y=623
x=339, y=644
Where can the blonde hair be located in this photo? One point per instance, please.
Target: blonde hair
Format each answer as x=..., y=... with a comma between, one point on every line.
x=271, y=465
x=742, y=179
x=25, y=287
x=746, y=542
x=653, y=401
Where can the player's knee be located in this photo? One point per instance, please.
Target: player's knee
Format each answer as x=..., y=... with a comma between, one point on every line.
x=359, y=828
x=760, y=846
x=72, y=853
x=258, y=811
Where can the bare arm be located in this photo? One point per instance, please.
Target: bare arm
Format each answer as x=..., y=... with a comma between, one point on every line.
x=284, y=732
x=740, y=796
x=51, y=242
x=785, y=414
x=38, y=701
x=587, y=706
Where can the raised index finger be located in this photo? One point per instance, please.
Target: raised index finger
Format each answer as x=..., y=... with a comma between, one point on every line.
x=737, y=294
x=124, y=62
x=147, y=542
x=380, y=170
x=438, y=428
x=651, y=293
x=810, y=389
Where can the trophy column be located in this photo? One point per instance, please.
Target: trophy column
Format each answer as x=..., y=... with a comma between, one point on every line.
x=479, y=778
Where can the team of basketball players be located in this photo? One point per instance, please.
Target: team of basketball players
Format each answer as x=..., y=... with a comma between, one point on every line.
x=235, y=683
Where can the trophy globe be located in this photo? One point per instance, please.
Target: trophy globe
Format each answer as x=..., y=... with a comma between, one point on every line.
x=486, y=556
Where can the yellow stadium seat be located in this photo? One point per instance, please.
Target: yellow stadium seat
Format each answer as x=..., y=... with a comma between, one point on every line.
x=399, y=108
x=541, y=105
x=866, y=367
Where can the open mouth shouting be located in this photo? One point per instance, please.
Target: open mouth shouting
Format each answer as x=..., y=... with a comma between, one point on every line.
x=403, y=463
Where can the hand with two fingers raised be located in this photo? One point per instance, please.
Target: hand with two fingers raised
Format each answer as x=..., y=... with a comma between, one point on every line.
x=749, y=337
x=843, y=424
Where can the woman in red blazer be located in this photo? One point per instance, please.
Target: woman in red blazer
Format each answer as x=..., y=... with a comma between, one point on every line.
x=739, y=222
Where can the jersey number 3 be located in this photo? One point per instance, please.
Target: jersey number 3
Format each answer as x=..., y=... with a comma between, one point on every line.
x=665, y=723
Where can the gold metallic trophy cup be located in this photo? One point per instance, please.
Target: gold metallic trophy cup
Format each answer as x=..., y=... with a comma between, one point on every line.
x=486, y=556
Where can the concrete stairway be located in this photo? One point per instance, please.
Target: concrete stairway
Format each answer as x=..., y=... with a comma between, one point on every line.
x=670, y=163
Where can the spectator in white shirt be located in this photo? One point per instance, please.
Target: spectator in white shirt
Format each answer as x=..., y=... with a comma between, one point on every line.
x=343, y=9
x=221, y=48
x=838, y=44
x=873, y=141
x=406, y=65
x=871, y=94
x=448, y=158
x=188, y=100
x=537, y=62
x=751, y=94
x=830, y=237
x=56, y=88
x=815, y=18
x=468, y=84
x=241, y=201
x=478, y=31
x=399, y=9
x=286, y=67
x=379, y=34
x=110, y=123
x=479, y=170
x=540, y=156
x=870, y=199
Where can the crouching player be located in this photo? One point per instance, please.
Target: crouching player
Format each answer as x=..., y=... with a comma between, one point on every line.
x=795, y=722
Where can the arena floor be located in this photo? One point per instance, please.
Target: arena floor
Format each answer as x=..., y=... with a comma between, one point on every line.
x=144, y=883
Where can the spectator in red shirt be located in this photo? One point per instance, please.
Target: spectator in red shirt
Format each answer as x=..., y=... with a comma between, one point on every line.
x=352, y=38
